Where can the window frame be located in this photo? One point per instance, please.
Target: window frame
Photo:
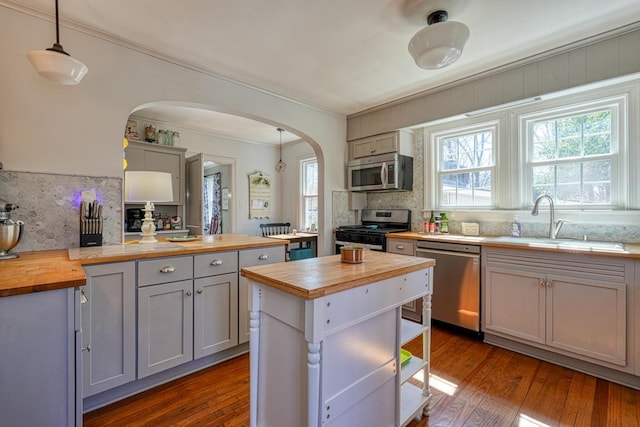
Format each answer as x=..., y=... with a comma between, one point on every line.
x=435, y=137
x=303, y=196
x=618, y=107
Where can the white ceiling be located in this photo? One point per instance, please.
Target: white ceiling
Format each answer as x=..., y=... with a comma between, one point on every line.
x=340, y=56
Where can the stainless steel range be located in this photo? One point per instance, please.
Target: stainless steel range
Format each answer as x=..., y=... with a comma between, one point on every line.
x=376, y=224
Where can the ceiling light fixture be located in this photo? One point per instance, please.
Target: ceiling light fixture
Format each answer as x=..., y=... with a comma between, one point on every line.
x=281, y=166
x=440, y=43
x=55, y=64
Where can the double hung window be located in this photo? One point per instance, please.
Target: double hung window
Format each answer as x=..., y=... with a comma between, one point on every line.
x=573, y=154
x=309, y=193
x=466, y=166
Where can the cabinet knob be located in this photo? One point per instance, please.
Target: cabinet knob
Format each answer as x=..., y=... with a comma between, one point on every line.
x=167, y=269
x=87, y=348
x=549, y=283
x=541, y=282
x=188, y=293
x=263, y=257
x=83, y=298
x=200, y=291
x=216, y=262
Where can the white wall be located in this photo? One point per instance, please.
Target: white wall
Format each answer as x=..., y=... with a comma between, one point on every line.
x=78, y=130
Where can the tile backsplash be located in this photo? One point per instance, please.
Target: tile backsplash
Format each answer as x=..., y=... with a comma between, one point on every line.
x=49, y=206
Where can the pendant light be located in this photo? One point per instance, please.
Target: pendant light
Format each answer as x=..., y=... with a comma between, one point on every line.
x=281, y=166
x=55, y=64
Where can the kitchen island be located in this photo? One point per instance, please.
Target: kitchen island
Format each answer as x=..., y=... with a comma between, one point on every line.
x=325, y=341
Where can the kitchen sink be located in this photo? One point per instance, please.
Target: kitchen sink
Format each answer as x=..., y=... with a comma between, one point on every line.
x=545, y=242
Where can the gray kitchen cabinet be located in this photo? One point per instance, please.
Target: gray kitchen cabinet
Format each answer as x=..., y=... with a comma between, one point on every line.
x=215, y=319
x=411, y=310
x=143, y=156
x=165, y=326
x=39, y=359
x=108, y=326
x=250, y=258
x=391, y=142
x=575, y=305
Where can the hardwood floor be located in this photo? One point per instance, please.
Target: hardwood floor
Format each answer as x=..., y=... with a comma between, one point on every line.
x=489, y=386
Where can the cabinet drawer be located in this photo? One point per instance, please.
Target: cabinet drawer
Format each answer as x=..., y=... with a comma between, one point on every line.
x=400, y=246
x=163, y=270
x=258, y=256
x=215, y=263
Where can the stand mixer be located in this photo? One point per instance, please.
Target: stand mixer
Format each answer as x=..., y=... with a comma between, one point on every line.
x=10, y=231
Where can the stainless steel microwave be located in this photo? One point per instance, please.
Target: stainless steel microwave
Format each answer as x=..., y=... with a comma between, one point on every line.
x=386, y=172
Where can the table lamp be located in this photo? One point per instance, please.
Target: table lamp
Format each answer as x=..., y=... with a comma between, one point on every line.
x=147, y=187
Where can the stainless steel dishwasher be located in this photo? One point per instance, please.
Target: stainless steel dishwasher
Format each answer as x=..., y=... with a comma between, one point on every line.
x=456, y=282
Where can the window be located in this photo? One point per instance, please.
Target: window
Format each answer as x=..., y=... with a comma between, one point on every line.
x=309, y=205
x=466, y=166
x=572, y=154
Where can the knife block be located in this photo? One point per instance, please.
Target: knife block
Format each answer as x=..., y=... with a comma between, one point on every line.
x=90, y=232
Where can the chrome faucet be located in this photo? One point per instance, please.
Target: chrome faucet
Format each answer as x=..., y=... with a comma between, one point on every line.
x=554, y=226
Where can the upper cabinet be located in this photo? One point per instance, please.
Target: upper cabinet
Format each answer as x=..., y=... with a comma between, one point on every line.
x=399, y=141
x=144, y=156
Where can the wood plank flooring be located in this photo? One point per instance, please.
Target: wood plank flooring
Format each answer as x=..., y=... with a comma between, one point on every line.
x=489, y=386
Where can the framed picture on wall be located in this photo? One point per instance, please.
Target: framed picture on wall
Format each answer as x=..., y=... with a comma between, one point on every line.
x=225, y=199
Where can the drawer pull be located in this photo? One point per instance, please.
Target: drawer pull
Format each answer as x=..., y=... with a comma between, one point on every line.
x=263, y=257
x=167, y=269
x=400, y=247
x=216, y=262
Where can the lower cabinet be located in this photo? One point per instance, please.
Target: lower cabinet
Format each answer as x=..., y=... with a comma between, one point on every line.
x=39, y=359
x=250, y=258
x=165, y=326
x=108, y=326
x=574, y=305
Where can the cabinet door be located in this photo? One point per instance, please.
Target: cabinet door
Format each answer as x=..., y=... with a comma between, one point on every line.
x=37, y=359
x=587, y=317
x=515, y=303
x=249, y=258
x=215, y=317
x=108, y=327
x=362, y=148
x=165, y=326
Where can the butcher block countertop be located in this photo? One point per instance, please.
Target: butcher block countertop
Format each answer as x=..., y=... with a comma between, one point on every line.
x=49, y=270
x=526, y=243
x=38, y=272
x=316, y=277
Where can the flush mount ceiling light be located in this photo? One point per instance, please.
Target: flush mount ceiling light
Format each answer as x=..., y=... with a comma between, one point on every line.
x=281, y=166
x=440, y=43
x=55, y=64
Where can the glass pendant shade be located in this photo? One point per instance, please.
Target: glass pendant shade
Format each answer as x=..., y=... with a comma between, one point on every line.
x=56, y=66
x=439, y=44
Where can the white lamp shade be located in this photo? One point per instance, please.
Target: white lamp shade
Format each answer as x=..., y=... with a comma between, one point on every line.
x=438, y=45
x=57, y=66
x=145, y=186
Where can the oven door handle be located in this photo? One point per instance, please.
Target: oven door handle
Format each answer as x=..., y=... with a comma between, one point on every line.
x=364, y=245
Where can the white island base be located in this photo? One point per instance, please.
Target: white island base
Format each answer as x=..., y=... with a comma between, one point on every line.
x=334, y=360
